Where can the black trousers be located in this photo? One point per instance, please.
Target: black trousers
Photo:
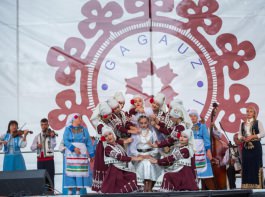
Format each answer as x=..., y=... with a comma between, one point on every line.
x=49, y=167
x=231, y=174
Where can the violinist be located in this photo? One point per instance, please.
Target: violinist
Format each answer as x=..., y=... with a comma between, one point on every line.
x=44, y=143
x=13, y=141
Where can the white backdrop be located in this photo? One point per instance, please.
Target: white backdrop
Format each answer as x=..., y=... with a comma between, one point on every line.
x=89, y=70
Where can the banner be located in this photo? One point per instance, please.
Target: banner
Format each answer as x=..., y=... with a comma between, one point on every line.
x=64, y=56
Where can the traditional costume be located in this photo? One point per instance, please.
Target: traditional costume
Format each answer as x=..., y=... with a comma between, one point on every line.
x=144, y=169
x=45, y=155
x=178, y=175
x=160, y=115
x=13, y=159
x=119, y=178
x=77, y=165
x=202, y=144
x=119, y=121
x=103, y=109
x=252, y=171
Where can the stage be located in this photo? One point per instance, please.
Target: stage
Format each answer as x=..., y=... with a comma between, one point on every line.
x=220, y=193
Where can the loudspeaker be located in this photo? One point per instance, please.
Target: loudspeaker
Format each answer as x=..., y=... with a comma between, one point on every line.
x=28, y=182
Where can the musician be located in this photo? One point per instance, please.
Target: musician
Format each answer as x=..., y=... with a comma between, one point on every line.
x=250, y=133
x=203, y=155
x=13, y=140
x=44, y=143
x=232, y=161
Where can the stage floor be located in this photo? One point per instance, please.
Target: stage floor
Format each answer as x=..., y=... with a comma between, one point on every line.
x=220, y=193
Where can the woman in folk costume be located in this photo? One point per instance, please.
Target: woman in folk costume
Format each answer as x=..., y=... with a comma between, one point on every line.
x=65, y=190
x=123, y=128
x=78, y=148
x=178, y=174
x=159, y=114
x=250, y=133
x=203, y=155
x=177, y=117
x=169, y=124
x=100, y=118
x=138, y=109
x=12, y=141
x=119, y=178
x=147, y=173
x=118, y=96
x=13, y=159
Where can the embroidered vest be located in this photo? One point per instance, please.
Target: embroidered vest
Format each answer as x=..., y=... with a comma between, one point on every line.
x=254, y=129
x=16, y=145
x=47, y=146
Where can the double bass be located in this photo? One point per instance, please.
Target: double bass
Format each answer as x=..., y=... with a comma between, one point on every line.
x=218, y=148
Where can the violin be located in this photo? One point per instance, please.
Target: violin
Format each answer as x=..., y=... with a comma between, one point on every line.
x=19, y=133
x=48, y=133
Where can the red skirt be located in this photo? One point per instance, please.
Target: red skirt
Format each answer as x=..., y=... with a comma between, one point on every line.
x=179, y=181
x=119, y=181
x=99, y=168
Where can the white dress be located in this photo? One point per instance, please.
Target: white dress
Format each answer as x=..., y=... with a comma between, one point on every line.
x=144, y=169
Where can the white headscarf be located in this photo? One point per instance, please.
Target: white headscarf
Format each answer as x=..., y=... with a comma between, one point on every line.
x=71, y=118
x=194, y=112
x=189, y=134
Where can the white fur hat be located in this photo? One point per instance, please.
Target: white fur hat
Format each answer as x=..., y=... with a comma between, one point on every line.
x=119, y=97
x=175, y=103
x=104, y=109
x=113, y=103
x=107, y=129
x=176, y=113
x=190, y=135
x=160, y=99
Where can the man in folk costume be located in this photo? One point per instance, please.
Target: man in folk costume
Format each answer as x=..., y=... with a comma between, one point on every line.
x=123, y=128
x=45, y=143
x=178, y=174
x=78, y=150
x=119, y=178
x=203, y=155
